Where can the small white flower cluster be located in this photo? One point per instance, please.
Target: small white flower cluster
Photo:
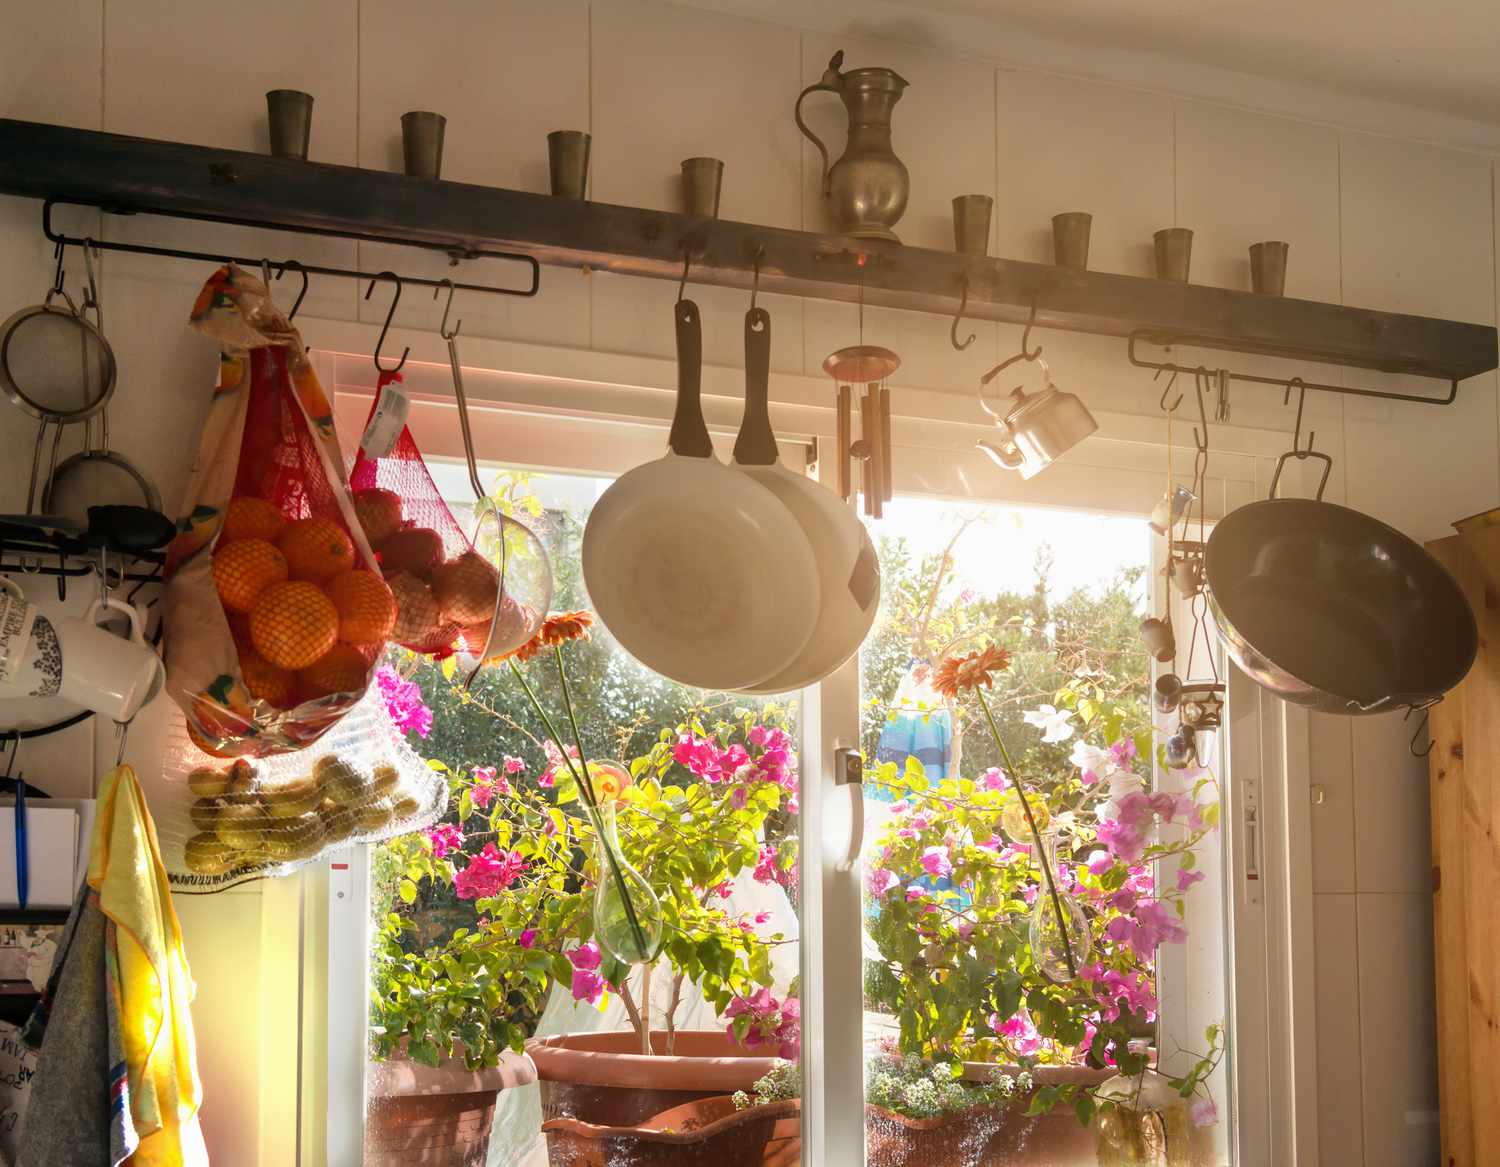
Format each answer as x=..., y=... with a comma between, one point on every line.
x=919, y=1089
x=782, y=1081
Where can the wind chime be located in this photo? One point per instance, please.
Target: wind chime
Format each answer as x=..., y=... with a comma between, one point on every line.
x=867, y=365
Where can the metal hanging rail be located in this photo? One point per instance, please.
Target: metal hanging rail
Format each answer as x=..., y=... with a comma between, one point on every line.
x=121, y=174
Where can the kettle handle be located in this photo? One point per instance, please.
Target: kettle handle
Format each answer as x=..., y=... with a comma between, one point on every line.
x=829, y=84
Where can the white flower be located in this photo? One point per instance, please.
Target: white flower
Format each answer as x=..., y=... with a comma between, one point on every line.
x=1055, y=724
x=1092, y=760
x=1121, y=783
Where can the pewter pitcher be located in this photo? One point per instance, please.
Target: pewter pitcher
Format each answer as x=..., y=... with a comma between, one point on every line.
x=868, y=184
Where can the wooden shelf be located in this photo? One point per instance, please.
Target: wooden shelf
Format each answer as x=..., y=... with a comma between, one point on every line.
x=123, y=174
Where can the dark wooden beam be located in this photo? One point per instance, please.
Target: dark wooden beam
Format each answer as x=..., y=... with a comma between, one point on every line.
x=135, y=174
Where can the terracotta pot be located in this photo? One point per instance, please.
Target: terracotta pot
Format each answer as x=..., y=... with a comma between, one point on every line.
x=709, y=1131
x=425, y=1116
x=604, y=1079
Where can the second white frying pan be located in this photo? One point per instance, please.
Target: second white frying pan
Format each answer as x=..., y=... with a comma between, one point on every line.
x=699, y=572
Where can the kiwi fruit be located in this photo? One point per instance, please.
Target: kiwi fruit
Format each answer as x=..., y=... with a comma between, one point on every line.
x=385, y=779
x=205, y=813
x=301, y=837
x=241, y=778
x=405, y=805
x=338, y=822
x=243, y=826
x=206, y=782
x=207, y=854
x=293, y=798
x=373, y=815
x=342, y=782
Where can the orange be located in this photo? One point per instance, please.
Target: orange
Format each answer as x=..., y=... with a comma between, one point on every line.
x=342, y=669
x=293, y=624
x=367, y=610
x=252, y=518
x=316, y=549
x=267, y=682
x=244, y=569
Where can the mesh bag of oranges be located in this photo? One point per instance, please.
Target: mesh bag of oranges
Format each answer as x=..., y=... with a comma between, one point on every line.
x=276, y=612
x=235, y=819
x=446, y=592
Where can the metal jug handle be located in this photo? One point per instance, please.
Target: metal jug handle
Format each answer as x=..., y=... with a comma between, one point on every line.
x=829, y=84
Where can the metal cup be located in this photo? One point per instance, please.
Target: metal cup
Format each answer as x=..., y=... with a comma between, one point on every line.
x=289, y=114
x=1181, y=749
x=1158, y=638
x=1171, y=507
x=422, y=143
x=1187, y=576
x=971, y=224
x=1268, y=267
x=702, y=181
x=1167, y=692
x=1174, y=254
x=568, y=157
x=1070, y=239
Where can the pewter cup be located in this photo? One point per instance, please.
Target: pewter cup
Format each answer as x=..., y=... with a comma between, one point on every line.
x=1174, y=254
x=971, y=224
x=422, y=143
x=1268, y=267
x=1157, y=636
x=1070, y=239
x=702, y=182
x=1168, y=692
x=568, y=157
x=289, y=114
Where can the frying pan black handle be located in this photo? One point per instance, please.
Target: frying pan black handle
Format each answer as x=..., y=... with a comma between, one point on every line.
x=1302, y=455
x=756, y=445
x=689, y=435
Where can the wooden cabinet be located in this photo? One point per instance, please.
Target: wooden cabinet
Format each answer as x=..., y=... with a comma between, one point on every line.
x=1464, y=779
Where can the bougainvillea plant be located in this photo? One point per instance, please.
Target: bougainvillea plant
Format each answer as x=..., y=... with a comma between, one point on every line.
x=961, y=864
x=692, y=816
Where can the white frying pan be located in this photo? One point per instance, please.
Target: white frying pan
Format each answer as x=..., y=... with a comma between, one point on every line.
x=848, y=570
x=698, y=571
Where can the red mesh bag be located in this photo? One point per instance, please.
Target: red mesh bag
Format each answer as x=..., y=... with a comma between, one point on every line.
x=445, y=591
x=275, y=611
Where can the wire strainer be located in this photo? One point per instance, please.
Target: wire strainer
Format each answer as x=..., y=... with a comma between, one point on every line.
x=56, y=366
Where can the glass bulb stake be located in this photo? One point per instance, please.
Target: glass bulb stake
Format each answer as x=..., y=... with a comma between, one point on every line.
x=1036, y=836
x=627, y=913
x=1057, y=950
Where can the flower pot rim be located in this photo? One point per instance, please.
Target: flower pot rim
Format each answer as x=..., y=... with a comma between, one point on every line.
x=400, y=1076
x=707, y=1060
x=655, y=1134
x=1041, y=1075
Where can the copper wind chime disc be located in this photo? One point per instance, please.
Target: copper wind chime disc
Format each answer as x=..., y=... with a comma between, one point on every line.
x=868, y=365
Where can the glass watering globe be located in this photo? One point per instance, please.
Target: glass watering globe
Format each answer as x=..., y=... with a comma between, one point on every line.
x=1051, y=942
x=627, y=915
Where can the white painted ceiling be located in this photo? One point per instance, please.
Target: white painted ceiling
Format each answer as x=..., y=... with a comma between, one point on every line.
x=1437, y=54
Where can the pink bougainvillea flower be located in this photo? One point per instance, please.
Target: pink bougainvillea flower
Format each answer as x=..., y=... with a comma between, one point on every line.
x=513, y=765
x=1203, y=1112
x=915, y=893
x=1018, y=1032
x=1123, y=751
x=1099, y=862
x=445, y=840
x=936, y=863
x=488, y=873
x=994, y=779
x=528, y=938
x=588, y=985
x=767, y=869
x=403, y=701
x=1186, y=878
x=881, y=880
x=771, y=1022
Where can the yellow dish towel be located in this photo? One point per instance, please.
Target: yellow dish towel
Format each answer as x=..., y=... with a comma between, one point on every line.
x=148, y=974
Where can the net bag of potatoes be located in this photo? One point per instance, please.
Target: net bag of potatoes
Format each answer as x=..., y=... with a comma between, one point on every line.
x=446, y=591
x=275, y=611
x=232, y=820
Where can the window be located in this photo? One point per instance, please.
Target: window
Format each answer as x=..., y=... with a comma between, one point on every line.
x=1062, y=589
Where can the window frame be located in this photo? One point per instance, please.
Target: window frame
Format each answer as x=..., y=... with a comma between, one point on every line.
x=610, y=415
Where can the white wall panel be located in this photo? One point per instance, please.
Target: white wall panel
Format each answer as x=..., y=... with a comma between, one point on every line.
x=1340, y=1087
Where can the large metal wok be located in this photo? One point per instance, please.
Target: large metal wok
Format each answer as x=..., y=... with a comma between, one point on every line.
x=1332, y=609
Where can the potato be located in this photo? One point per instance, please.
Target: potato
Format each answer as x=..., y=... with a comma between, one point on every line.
x=290, y=839
x=243, y=826
x=338, y=822
x=205, y=813
x=293, y=798
x=242, y=778
x=342, y=782
x=373, y=815
x=385, y=779
x=207, y=782
x=405, y=805
x=207, y=854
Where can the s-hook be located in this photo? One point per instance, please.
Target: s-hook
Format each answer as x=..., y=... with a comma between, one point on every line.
x=386, y=327
x=1417, y=733
x=1023, y=355
x=447, y=308
x=301, y=271
x=1297, y=448
x=1162, y=401
x=963, y=303
x=687, y=262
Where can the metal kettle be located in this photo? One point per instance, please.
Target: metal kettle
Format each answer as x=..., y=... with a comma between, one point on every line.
x=1037, y=428
x=868, y=185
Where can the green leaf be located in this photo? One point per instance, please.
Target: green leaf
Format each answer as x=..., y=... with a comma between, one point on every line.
x=408, y=891
x=1083, y=1107
x=465, y=806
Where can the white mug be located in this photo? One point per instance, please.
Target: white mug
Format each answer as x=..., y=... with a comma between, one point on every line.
x=112, y=675
x=30, y=656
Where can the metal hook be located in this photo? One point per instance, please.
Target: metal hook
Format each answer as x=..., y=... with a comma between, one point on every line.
x=301, y=271
x=1297, y=447
x=448, y=307
x=963, y=303
x=1172, y=380
x=91, y=290
x=1024, y=355
x=265, y=273
x=59, y=275
x=687, y=262
x=1026, y=335
x=14, y=739
x=1421, y=725
x=386, y=327
x=1200, y=437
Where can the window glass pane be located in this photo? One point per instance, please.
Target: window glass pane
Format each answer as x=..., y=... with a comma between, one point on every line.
x=1015, y=890
x=490, y=927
